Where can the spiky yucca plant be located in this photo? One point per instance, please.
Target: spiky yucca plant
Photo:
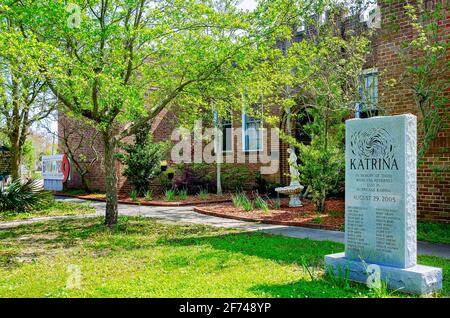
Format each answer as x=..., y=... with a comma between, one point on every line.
x=18, y=196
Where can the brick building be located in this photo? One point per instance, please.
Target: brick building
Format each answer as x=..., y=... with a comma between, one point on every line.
x=382, y=65
x=433, y=175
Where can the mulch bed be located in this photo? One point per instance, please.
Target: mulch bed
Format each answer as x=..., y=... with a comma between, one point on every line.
x=305, y=216
x=158, y=201
x=221, y=206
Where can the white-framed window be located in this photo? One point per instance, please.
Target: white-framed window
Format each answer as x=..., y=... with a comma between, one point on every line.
x=226, y=126
x=368, y=92
x=252, y=133
x=227, y=135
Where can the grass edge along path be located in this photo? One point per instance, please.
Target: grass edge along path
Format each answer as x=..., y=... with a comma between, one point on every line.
x=52, y=208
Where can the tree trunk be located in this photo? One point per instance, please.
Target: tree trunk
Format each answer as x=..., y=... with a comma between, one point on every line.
x=218, y=180
x=109, y=165
x=322, y=201
x=84, y=182
x=17, y=137
x=15, y=156
x=14, y=129
x=15, y=163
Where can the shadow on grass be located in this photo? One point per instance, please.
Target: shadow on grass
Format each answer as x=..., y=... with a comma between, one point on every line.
x=29, y=241
x=307, y=254
x=277, y=248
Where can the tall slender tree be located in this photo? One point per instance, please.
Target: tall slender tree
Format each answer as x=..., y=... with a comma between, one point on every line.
x=24, y=96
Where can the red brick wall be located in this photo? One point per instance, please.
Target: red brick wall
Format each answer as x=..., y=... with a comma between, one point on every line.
x=240, y=158
x=161, y=130
x=253, y=157
x=433, y=175
x=167, y=121
x=83, y=138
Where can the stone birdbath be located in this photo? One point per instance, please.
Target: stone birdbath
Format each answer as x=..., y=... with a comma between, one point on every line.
x=294, y=189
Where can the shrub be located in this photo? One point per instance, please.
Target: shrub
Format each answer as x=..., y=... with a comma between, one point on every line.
x=433, y=232
x=148, y=195
x=134, y=195
x=237, y=199
x=169, y=195
x=236, y=177
x=18, y=196
x=170, y=173
x=240, y=200
x=247, y=205
x=316, y=220
x=164, y=180
x=194, y=177
x=203, y=195
x=198, y=176
x=321, y=159
x=265, y=186
x=275, y=204
x=261, y=204
x=334, y=213
x=182, y=194
x=322, y=170
x=142, y=160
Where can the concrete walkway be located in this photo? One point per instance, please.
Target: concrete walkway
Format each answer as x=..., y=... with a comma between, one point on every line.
x=186, y=214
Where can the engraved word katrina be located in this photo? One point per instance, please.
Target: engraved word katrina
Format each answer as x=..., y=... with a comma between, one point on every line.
x=374, y=149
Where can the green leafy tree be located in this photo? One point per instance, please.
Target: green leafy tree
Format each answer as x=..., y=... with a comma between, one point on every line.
x=424, y=61
x=317, y=80
x=322, y=168
x=118, y=64
x=24, y=96
x=29, y=156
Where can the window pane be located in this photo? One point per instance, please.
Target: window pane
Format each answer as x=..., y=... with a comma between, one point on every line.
x=227, y=135
x=370, y=90
x=367, y=107
x=253, y=135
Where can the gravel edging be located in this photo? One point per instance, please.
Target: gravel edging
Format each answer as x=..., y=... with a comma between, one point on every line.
x=274, y=222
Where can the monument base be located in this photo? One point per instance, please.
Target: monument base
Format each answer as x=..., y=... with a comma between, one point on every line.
x=419, y=279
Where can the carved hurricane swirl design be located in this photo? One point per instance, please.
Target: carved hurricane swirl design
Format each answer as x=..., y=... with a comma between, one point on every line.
x=372, y=143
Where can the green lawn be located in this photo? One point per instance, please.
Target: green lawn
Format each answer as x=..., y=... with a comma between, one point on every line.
x=433, y=232
x=146, y=258
x=52, y=208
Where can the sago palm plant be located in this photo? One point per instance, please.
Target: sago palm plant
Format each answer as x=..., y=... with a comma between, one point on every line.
x=18, y=196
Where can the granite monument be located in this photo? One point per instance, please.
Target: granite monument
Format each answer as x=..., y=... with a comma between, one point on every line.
x=380, y=206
